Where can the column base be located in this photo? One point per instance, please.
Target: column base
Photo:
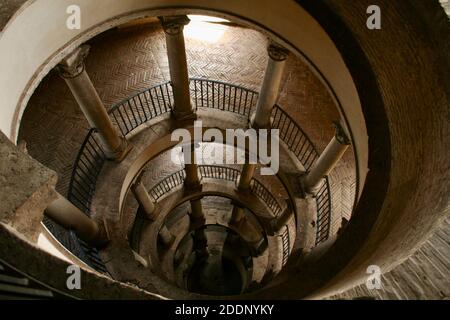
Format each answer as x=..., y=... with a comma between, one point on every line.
x=307, y=191
x=257, y=248
x=120, y=153
x=185, y=118
x=243, y=188
x=253, y=124
x=166, y=237
x=103, y=238
x=154, y=215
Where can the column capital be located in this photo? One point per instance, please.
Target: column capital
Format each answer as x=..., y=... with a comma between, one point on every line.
x=277, y=52
x=73, y=64
x=174, y=25
x=341, y=135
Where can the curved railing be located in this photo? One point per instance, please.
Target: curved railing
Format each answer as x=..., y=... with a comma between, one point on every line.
x=294, y=137
x=222, y=96
x=299, y=144
x=323, y=204
x=167, y=185
x=158, y=100
x=266, y=196
x=219, y=173
x=87, y=167
x=142, y=107
x=170, y=183
x=286, y=243
x=176, y=179
x=127, y=116
x=226, y=97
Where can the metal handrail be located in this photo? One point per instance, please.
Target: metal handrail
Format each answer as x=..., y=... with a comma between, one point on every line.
x=286, y=244
x=170, y=183
x=299, y=144
x=127, y=116
x=294, y=137
x=266, y=196
x=222, y=96
x=87, y=167
x=142, y=107
x=219, y=172
x=323, y=204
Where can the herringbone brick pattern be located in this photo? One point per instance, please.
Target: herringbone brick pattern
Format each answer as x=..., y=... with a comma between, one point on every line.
x=304, y=97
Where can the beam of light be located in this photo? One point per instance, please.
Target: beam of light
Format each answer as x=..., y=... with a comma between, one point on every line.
x=200, y=28
x=45, y=244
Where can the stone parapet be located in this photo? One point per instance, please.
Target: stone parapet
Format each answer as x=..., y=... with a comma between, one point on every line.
x=27, y=189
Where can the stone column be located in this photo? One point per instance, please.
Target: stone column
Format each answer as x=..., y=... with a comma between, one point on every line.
x=237, y=215
x=258, y=247
x=246, y=176
x=72, y=69
x=142, y=196
x=63, y=212
x=282, y=220
x=176, y=51
x=192, y=181
x=270, y=87
x=146, y=202
x=197, y=221
x=200, y=243
x=197, y=210
x=166, y=236
x=327, y=160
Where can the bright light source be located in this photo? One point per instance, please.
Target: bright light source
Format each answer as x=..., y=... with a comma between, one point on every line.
x=206, y=18
x=199, y=28
x=45, y=244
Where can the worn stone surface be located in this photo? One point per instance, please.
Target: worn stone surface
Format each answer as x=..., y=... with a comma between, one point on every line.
x=446, y=5
x=22, y=255
x=425, y=275
x=8, y=9
x=27, y=187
